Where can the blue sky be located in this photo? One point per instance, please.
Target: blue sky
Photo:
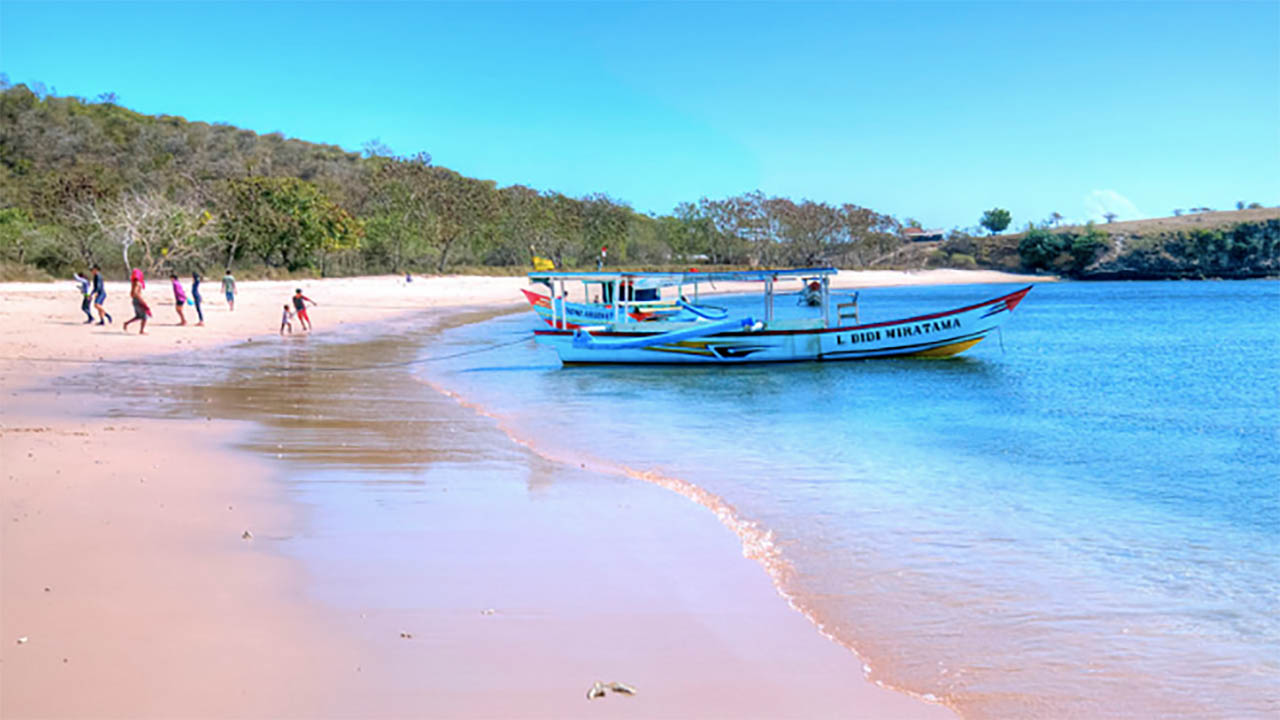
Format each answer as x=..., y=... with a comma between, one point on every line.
x=935, y=111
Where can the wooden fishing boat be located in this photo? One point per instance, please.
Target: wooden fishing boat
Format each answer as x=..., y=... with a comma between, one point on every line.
x=835, y=334
x=640, y=294
x=563, y=313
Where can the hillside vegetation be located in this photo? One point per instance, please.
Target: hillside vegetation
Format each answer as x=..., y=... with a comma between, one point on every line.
x=93, y=182
x=1223, y=244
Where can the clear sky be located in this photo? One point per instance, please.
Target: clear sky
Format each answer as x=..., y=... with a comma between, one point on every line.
x=935, y=111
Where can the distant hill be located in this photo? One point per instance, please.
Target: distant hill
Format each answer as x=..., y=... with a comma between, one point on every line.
x=85, y=183
x=1215, y=244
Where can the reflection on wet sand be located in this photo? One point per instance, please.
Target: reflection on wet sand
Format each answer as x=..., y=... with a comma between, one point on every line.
x=449, y=555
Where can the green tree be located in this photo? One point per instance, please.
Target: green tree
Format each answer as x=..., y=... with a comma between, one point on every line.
x=524, y=224
x=606, y=222
x=17, y=235
x=812, y=232
x=285, y=222
x=688, y=231
x=399, y=211
x=996, y=220
x=459, y=207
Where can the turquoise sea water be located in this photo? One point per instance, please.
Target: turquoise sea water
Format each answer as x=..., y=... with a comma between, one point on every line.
x=1078, y=519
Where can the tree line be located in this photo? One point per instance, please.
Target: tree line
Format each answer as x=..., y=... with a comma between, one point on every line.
x=94, y=182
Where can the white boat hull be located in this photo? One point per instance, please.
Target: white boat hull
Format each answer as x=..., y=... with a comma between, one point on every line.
x=936, y=335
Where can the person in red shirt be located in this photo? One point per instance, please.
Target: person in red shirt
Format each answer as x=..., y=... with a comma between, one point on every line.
x=299, y=304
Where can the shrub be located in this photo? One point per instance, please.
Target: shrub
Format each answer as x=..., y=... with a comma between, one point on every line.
x=1084, y=248
x=1038, y=248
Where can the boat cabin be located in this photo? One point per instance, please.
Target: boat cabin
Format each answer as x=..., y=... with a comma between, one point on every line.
x=638, y=295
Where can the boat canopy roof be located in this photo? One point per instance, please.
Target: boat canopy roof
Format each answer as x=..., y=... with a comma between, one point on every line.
x=660, y=279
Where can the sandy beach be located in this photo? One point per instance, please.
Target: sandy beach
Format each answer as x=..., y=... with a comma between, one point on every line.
x=145, y=572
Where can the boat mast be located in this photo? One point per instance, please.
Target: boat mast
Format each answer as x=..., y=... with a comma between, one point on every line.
x=768, y=299
x=617, y=297
x=826, y=302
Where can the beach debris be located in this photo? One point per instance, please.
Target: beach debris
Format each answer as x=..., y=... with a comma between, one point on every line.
x=488, y=611
x=247, y=535
x=23, y=641
x=406, y=635
x=598, y=689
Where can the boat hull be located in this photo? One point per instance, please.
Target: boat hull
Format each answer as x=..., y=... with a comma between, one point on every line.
x=937, y=335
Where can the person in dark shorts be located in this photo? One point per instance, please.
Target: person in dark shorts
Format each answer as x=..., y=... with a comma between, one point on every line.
x=99, y=291
x=299, y=304
x=140, y=309
x=229, y=289
x=86, y=298
x=195, y=296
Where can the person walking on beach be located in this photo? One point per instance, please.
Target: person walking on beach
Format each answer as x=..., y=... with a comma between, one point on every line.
x=299, y=304
x=140, y=309
x=179, y=297
x=229, y=289
x=195, y=297
x=86, y=298
x=99, y=291
x=284, y=320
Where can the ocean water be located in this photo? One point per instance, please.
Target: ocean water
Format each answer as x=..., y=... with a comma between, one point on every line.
x=1078, y=518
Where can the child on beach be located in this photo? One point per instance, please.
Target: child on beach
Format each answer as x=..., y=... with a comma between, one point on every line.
x=229, y=289
x=140, y=309
x=284, y=321
x=179, y=297
x=82, y=283
x=299, y=304
x=99, y=291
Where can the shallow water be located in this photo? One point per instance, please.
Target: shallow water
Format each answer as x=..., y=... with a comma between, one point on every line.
x=1080, y=518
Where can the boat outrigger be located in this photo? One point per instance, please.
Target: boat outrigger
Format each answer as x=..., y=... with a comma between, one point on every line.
x=610, y=331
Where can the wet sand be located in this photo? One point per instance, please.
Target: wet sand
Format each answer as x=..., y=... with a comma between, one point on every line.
x=407, y=558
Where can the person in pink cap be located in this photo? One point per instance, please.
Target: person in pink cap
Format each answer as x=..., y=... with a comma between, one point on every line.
x=140, y=309
x=179, y=297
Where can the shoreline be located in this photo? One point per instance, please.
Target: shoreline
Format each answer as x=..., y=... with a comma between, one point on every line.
x=154, y=532
x=754, y=544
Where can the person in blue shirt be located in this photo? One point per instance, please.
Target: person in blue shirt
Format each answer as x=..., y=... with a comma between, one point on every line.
x=195, y=296
x=99, y=295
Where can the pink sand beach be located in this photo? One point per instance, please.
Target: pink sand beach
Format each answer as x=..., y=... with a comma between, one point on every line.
x=145, y=570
